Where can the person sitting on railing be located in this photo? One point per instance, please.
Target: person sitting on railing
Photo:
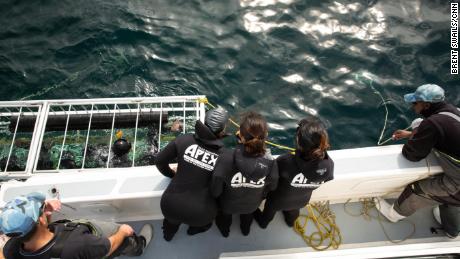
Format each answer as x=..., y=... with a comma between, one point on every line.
x=300, y=173
x=243, y=176
x=187, y=198
x=27, y=221
x=439, y=133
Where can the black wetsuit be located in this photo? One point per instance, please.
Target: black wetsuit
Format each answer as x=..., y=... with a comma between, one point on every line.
x=298, y=179
x=240, y=182
x=187, y=198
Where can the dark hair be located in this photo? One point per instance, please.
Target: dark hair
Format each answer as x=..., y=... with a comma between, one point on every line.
x=254, y=130
x=27, y=237
x=311, y=138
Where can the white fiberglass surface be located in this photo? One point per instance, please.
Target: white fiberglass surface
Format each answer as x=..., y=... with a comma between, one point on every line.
x=356, y=231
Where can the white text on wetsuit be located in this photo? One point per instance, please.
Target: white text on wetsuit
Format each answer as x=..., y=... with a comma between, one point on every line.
x=238, y=180
x=301, y=181
x=200, y=157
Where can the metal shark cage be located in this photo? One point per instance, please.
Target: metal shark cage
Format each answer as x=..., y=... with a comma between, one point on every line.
x=53, y=136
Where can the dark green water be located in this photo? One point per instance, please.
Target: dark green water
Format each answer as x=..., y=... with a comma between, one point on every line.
x=283, y=58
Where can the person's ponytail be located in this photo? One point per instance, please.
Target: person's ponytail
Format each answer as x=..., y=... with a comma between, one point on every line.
x=312, y=139
x=255, y=146
x=254, y=130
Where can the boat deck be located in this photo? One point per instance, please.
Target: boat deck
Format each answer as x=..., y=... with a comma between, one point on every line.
x=356, y=232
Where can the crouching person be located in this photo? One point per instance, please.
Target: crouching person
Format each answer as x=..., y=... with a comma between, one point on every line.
x=27, y=221
x=438, y=133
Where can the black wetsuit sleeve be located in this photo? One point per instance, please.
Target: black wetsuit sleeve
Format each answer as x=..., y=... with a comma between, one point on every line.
x=217, y=186
x=419, y=146
x=218, y=182
x=274, y=177
x=167, y=155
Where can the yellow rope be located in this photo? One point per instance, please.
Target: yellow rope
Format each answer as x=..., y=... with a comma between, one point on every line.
x=367, y=205
x=205, y=101
x=327, y=233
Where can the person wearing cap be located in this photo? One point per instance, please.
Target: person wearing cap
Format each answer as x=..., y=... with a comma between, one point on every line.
x=244, y=176
x=439, y=133
x=187, y=198
x=27, y=221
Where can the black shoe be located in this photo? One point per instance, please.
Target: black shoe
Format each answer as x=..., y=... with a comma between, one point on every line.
x=168, y=236
x=224, y=231
x=245, y=230
x=258, y=218
x=290, y=224
x=196, y=230
x=169, y=230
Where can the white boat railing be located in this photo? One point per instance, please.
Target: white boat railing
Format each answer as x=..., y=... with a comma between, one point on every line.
x=57, y=118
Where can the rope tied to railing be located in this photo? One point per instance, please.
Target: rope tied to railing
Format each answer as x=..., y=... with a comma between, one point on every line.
x=205, y=100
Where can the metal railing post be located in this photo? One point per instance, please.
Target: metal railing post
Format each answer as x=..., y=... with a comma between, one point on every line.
x=87, y=136
x=135, y=132
x=12, y=141
x=65, y=135
x=159, y=128
x=111, y=134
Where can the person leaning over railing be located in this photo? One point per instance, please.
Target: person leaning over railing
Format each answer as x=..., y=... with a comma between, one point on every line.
x=187, y=198
x=243, y=176
x=27, y=221
x=299, y=173
x=439, y=133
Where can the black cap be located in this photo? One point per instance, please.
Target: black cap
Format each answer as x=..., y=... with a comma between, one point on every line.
x=216, y=119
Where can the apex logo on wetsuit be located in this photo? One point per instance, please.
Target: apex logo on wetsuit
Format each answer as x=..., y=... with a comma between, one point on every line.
x=200, y=157
x=321, y=171
x=238, y=180
x=302, y=182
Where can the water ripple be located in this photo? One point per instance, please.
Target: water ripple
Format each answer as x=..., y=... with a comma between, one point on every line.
x=284, y=58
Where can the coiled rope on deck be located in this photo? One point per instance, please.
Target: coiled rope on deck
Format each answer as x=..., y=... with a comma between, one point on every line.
x=205, y=101
x=368, y=204
x=327, y=233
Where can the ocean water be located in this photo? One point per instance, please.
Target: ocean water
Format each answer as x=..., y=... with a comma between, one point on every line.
x=283, y=58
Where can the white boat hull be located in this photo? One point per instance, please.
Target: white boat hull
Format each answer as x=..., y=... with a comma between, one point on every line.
x=133, y=194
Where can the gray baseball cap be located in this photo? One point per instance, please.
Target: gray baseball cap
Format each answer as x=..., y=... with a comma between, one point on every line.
x=430, y=93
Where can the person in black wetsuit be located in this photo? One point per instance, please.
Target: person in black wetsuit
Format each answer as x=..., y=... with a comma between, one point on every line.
x=187, y=198
x=439, y=133
x=243, y=176
x=299, y=174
